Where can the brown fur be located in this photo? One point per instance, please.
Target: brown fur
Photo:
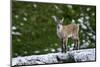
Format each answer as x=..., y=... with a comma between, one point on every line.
x=69, y=31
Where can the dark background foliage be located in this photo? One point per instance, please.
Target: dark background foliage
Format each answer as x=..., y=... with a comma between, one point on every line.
x=34, y=30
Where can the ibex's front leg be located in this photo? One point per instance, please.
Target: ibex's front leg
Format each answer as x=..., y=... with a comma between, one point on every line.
x=64, y=43
x=62, y=46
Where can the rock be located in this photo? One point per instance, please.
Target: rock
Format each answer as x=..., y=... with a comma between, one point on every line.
x=51, y=58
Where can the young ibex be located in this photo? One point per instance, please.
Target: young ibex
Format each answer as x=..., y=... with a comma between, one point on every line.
x=67, y=31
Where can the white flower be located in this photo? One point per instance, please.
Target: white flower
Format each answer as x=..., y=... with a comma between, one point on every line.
x=13, y=28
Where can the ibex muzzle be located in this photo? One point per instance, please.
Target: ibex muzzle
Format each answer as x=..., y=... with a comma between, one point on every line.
x=67, y=31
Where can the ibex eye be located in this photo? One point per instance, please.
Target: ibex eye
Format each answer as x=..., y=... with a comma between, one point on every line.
x=58, y=27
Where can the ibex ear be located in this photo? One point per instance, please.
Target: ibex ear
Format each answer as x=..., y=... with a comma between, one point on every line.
x=61, y=21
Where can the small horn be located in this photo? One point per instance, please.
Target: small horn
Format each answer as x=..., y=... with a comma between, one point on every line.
x=55, y=19
x=61, y=21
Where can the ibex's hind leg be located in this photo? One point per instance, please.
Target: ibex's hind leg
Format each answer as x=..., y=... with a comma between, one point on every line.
x=76, y=44
x=65, y=48
x=74, y=48
x=76, y=41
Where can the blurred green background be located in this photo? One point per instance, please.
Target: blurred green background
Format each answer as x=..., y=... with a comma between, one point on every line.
x=34, y=30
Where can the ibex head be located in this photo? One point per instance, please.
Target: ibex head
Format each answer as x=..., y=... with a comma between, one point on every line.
x=58, y=22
